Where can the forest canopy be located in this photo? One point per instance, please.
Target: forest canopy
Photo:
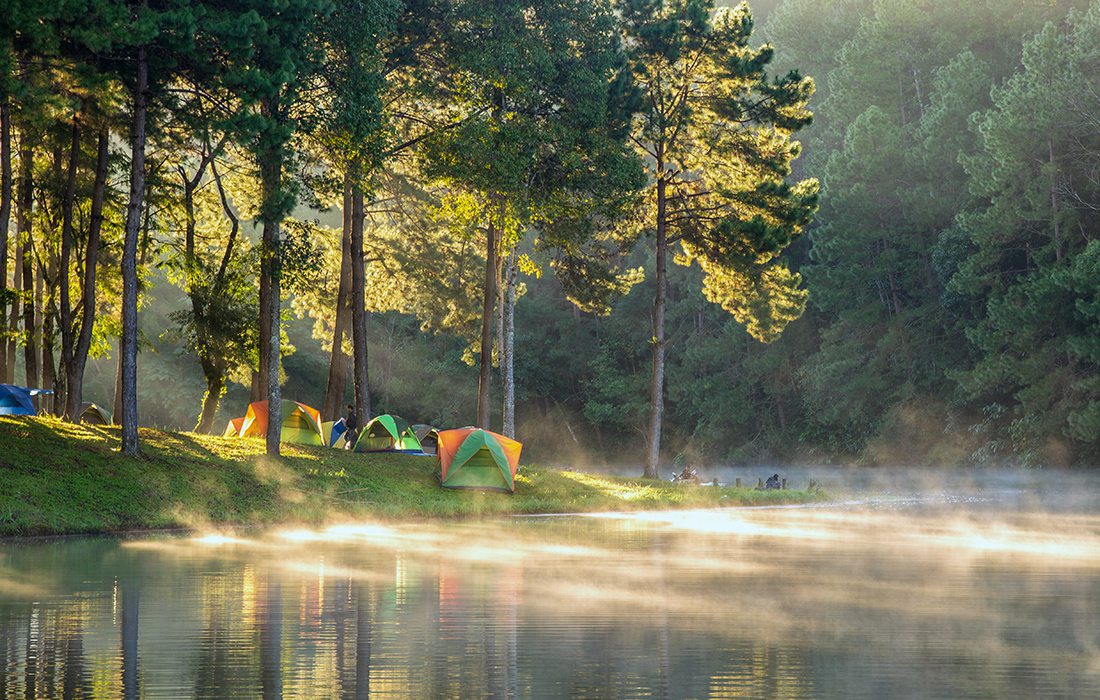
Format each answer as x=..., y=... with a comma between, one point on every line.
x=881, y=218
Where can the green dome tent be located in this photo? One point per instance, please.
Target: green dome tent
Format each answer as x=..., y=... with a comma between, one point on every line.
x=387, y=433
x=477, y=459
x=428, y=437
x=299, y=423
x=92, y=414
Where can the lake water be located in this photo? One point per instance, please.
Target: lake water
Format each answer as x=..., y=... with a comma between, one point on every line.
x=956, y=595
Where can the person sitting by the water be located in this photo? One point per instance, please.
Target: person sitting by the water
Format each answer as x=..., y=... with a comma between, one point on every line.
x=772, y=482
x=351, y=422
x=689, y=475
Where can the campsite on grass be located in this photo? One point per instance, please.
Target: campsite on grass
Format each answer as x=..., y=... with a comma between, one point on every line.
x=550, y=349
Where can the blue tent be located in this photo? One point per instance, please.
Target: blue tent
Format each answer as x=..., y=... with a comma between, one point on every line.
x=16, y=401
x=333, y=431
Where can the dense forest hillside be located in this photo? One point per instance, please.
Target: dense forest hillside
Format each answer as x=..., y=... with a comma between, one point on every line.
x=953, y=311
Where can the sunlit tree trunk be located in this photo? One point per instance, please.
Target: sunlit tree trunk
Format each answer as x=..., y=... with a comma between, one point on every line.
x=128, y=350
x=47, y=289
x=358, y=309
x=271, y=173
x=16, y=310
x=338, y=359
x=116, y=406
x=507, y=352
x=65, y=309
x=79, y=360
x=485, y=375
x=657, y=385
x=7, y=366
x=215, y=388
x=26, y=234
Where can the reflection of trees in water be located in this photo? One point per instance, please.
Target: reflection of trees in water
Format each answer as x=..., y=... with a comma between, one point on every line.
x=226, y=664
x=572, y=610
x=129, y=638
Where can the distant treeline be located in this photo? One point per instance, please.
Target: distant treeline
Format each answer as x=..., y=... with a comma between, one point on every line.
x=953, y=267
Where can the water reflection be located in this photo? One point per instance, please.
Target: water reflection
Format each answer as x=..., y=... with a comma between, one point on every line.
x=779, y=603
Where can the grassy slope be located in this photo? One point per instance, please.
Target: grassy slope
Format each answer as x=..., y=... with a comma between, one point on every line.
x=59, y=478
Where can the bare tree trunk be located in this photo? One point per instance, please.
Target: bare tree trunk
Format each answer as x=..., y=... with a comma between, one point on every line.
x=657, y=385
x=215, y=369
x=128, y=352
x=338, y=360
x=260, y=377
x=507, y=352
x=116, y=407
x=26, y=234
x=7, y=366
x=79, y=361
x=358, y=309
x=16, y=311
x=63, y=278
x=485, y=375
x=47, y=291
x=1054, y=202
x=256, y=384
x=215, y=387
x=274, y=396
x=271, y=172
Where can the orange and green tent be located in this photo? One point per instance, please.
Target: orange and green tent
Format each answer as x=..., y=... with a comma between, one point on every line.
x=470, y=458
x=233, y=427
x=300, y=424
x=387, y=433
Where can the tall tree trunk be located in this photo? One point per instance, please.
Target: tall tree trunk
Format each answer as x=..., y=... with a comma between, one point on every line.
x=128, y=352
x=7, y=367
x=215, y=388
x=657, y=385
x=116, y=407
x=16, y=311
x=261, y=376
x=274, y=396
x=1054, y=202
x=271, y=174
x=358, y=309
x=75, y=380
x=255, y=384
x=197, y=292
x=49, y=370
x=26, y=234
x=485, y=375
x=507, y=351
x=68, y=201
x=338, y=360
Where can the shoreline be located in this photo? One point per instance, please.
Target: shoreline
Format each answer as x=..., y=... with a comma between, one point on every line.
x=61, y=479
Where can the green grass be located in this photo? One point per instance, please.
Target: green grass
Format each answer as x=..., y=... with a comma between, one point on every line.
x=59, y=478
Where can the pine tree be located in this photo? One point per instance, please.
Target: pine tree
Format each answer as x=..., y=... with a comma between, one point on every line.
x=533, y=86
x=716, y=133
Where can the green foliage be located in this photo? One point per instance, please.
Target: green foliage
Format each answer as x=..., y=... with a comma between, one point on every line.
x=717, y=134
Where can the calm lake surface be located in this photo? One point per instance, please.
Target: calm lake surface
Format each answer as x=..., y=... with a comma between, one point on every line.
x=983, y=594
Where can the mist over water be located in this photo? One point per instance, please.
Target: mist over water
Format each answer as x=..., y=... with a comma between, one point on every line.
x=984, y=586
